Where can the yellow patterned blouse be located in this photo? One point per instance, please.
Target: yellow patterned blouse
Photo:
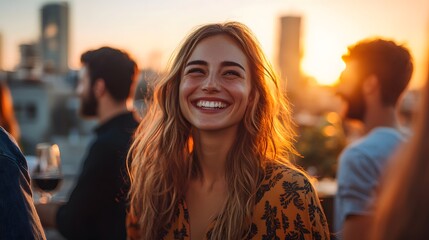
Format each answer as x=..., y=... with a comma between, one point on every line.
x=287, y=207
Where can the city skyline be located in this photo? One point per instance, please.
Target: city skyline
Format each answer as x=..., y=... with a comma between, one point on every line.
x=151, y=31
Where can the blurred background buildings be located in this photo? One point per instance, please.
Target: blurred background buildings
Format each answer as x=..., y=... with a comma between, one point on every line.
x=43, y=90
x=55, y=37
x=1, y=52
x=289, y=55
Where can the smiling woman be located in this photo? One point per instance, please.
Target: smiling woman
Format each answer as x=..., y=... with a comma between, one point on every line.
x=214, y=92
x=210, y=160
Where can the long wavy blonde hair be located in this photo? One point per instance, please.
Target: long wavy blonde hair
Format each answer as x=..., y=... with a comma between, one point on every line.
x=162, y=154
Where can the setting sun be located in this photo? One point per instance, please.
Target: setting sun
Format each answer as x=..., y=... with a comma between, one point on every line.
x=322, y=53
x=325, y=69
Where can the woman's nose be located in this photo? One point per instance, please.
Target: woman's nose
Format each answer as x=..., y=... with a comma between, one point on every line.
x=211, y=83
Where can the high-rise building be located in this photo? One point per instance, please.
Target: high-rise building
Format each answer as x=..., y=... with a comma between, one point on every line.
x=55, y=37
x=29, y=55
x=29, y=64
x=1, y=52
x=289, y=55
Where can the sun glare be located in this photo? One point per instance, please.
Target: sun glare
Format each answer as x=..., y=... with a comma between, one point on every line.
x=322, y=55
x=323, y=65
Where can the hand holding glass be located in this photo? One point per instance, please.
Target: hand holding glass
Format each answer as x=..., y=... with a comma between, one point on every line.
x=47, y=176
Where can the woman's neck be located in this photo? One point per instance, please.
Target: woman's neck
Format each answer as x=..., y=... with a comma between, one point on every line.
x=212, y=148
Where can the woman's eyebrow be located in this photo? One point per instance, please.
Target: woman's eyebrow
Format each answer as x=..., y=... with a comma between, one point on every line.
x=234, y=64
x=197, y=62
x=223, y=64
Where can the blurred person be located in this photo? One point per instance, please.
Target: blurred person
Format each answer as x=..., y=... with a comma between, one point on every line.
x=211, y=158
x=7, y=115
x=402, y=210
x=376, y=74
x=96, y=208
x=18, y=216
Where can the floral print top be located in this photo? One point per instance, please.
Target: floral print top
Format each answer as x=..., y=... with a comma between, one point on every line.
x=287, y=207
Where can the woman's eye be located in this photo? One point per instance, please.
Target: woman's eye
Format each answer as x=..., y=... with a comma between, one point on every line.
x=232, y=73
x=195, y=71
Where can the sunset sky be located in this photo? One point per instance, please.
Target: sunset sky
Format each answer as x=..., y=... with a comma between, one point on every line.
x=151, y=30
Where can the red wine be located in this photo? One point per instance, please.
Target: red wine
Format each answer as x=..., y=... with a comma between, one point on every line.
x=46, y=184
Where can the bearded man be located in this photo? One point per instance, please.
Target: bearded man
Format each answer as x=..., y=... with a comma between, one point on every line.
x=96, y=208
x=376, y=74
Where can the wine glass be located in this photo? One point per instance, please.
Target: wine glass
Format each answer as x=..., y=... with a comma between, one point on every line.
x=47, y=176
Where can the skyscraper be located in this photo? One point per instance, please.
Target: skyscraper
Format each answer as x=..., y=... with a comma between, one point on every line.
x=290, y=52
x=1, y=52
x=28, y=53
x=55, y=37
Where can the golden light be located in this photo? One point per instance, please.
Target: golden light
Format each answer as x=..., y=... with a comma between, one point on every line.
x=323, y=49
x=323, y=66
x=333, y=117
x=329, y=131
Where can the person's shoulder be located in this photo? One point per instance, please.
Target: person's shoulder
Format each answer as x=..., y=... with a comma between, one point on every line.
x=120, y=132
x=280, y=178
x=10, y=152
x=284, y=172
x=386, y=131
x=376, y=145
x=353, y=152
x=8, y=144
x=287, y=196
x=112, y=141
x=3, y=134
x=378, y=137
x=118, y=135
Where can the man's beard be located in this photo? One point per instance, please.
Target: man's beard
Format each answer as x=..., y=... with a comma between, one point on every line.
x=88, y=105
x=356, y=105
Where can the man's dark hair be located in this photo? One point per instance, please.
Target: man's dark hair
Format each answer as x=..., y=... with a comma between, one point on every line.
x=391, y=63
x=114, y=66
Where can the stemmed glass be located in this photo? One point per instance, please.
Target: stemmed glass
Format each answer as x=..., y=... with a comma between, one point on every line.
x=47, y=175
